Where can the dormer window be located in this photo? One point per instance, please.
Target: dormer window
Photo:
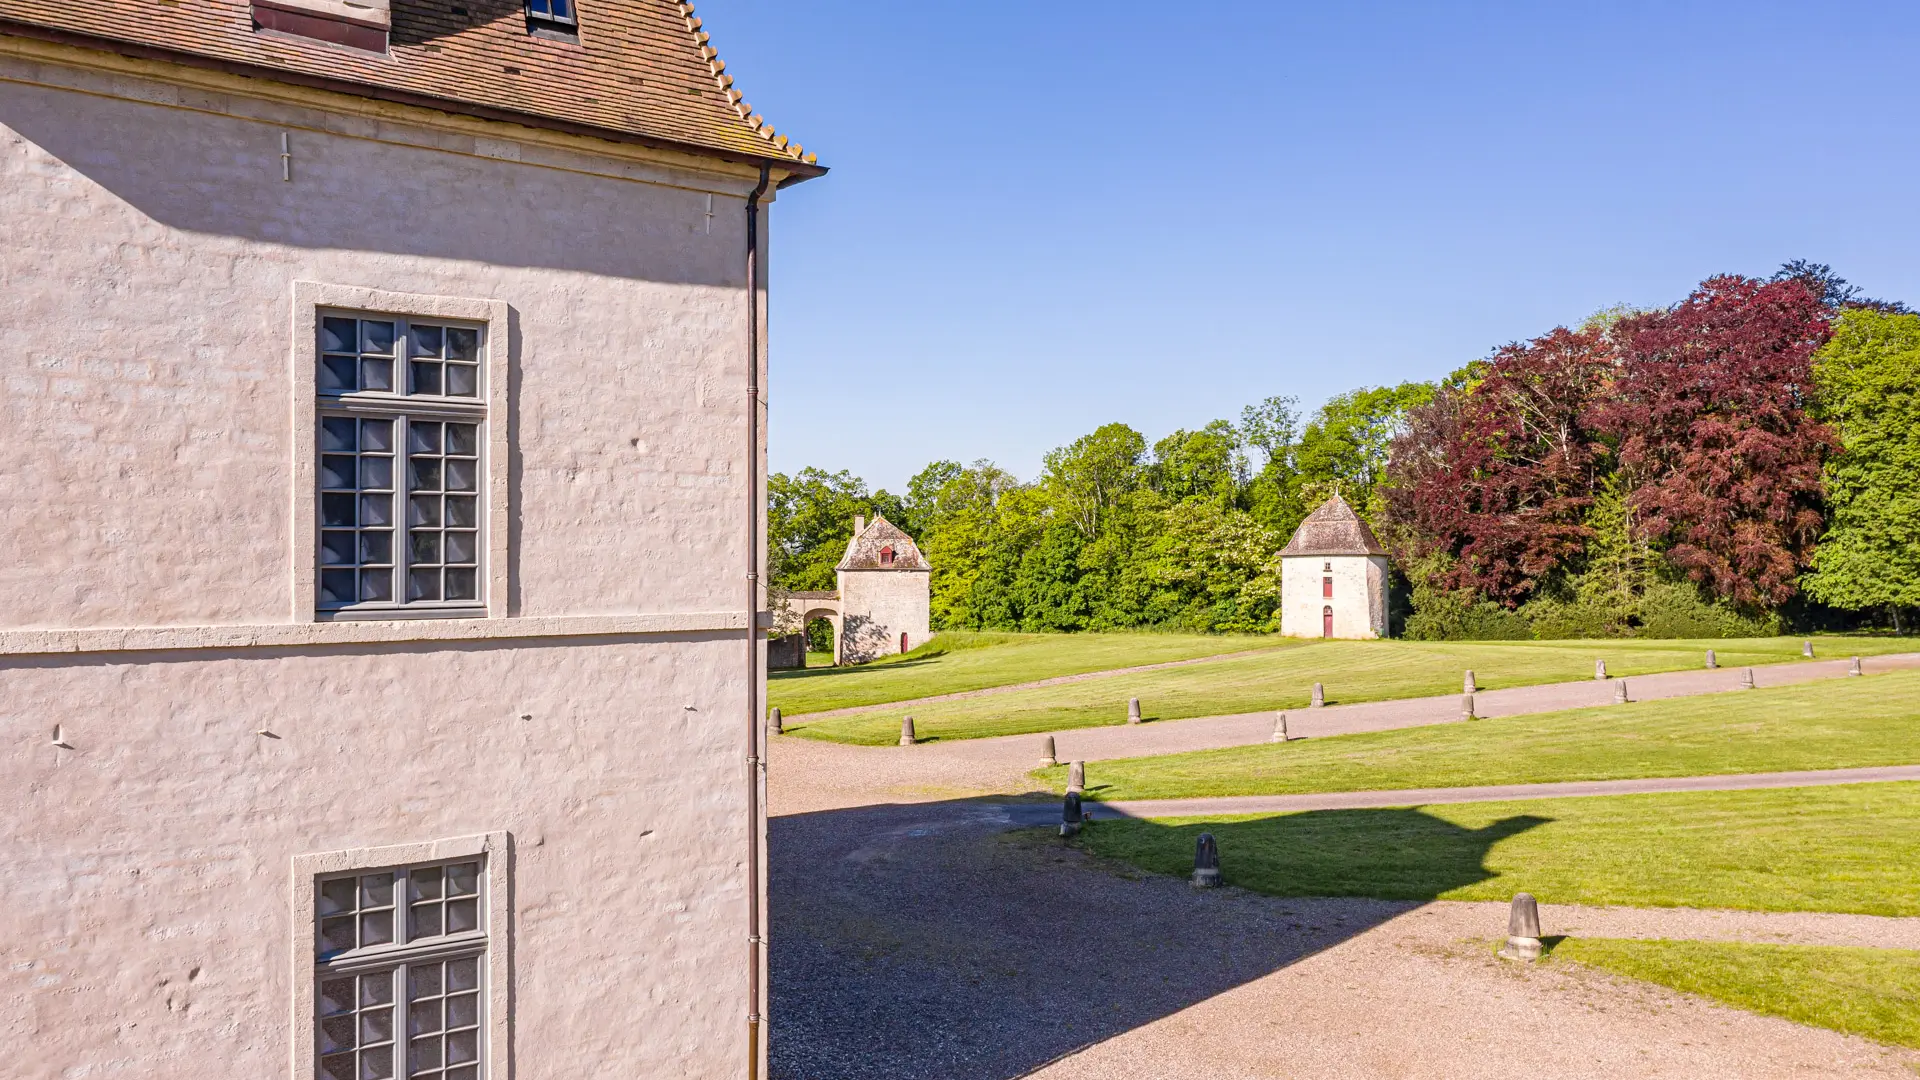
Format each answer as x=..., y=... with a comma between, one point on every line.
x=551, y=15
x=886, y=556
x=357, y=24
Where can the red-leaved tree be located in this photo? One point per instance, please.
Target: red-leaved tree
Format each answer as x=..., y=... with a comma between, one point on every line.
x=1709, y=416
x=1499, y=475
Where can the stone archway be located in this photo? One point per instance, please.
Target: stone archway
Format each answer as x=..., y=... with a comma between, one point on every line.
x=814, y=609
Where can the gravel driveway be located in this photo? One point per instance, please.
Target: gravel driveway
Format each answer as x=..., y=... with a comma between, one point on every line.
x=932, y=941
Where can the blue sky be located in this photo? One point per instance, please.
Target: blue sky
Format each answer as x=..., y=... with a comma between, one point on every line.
x=1042, y=218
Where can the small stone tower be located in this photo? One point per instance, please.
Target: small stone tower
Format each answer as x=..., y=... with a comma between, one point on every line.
x=1333, y=577
x=885, y=593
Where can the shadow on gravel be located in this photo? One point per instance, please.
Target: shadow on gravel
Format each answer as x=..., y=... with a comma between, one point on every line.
x=939, y=940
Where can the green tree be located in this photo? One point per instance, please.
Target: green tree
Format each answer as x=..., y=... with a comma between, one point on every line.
x=809, y=517
x=1343, y=449
x=957, y=516
x=1868, y=386
x=1087, y=478
x=1206, y=566
x=1207, y=463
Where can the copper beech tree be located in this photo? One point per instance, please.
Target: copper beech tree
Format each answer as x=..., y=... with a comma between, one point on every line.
x=1499, y=473
x=1710, y=418
x=1698, y=411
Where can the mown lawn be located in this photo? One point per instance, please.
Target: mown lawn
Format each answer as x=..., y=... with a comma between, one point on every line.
x=1850, y=848
x=1873, y=993
x=1281, y=678
x=1839, y=724
x=954, y=662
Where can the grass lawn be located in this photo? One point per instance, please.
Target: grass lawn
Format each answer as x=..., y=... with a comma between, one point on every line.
x=953, y=662
x=1874, y=993
x=1849, y=848
x=1850, y=723
x=1281, y=678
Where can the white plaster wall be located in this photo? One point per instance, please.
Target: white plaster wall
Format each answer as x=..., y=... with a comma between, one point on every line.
x=146, y=266
x=146, y=269
x=880, y=605
x=146, y=872
x=1359, y=595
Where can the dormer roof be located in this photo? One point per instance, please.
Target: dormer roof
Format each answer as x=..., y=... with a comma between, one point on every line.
x=863, y=551
x=1333, y=529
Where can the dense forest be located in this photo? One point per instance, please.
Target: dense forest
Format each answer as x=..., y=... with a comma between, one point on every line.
x=1742, y=462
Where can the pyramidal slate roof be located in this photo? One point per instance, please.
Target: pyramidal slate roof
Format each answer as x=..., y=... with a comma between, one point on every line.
x=863, y=551
x=641, y=70
x=1333, y=529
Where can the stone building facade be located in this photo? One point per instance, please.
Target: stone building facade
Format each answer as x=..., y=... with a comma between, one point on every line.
x=884, y=603
x=1333, y=577
x=383, y=511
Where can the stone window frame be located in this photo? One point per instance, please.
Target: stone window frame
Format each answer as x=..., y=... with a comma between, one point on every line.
x=309, y=299
x=495, y=849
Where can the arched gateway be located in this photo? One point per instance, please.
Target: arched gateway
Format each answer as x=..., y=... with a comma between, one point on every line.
x=883, y=605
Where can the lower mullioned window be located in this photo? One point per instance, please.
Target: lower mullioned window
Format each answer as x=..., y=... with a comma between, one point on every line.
x=400, y=972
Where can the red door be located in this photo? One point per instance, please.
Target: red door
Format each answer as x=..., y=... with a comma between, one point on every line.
x=1326, y=622
x=903, y=641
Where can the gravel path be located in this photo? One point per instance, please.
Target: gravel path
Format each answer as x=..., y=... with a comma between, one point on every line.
x=931, y=941
x=809, y=774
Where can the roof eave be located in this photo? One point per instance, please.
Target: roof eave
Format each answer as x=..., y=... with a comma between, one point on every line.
x=797, y=170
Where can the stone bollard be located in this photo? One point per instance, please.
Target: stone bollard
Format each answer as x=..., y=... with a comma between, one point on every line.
x=1599, y=670
x=1853, y=667
x=1620, y=692
x=1133, y=710
x=1047, y=753
x=1712, y=661
x=1206, y=862
x=906, y=732
x=1280, y=728
x=1466, y=707
x=1077, y=776
x=773, y=722
x=1319, y=696
x=1746, y=679
x=1523, y=929
x=1467, y=685
x=1806, y=648
x=1071, y=815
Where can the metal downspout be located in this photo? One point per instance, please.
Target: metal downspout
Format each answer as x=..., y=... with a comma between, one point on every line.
x=756, y=761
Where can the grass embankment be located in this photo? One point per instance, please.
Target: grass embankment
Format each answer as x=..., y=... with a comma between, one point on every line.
x=1278, y=679
x=1874, y=993
x=1842, y=724
x=954, y=662
x=1847, y=848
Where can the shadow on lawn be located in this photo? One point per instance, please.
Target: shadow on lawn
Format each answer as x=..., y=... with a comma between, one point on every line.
x=844, y=670
x=941, y=940
x=1388, y=853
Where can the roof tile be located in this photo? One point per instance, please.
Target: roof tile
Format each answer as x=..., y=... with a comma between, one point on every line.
x=1333, y=529
x=641, y=68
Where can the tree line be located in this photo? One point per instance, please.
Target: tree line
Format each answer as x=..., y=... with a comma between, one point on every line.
x=1742, y=461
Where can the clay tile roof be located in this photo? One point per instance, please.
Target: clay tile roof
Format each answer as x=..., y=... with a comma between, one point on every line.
x=1333, y=529
x=863, y=551
x=641, y=71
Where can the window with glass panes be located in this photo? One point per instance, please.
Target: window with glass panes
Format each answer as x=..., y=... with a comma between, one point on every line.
x=401, y=420
x=559, y=11
x=401, y=958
